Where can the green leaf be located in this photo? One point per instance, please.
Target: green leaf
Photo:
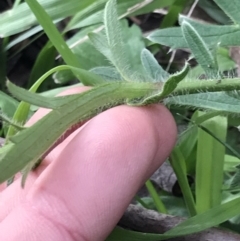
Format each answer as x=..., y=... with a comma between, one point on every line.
x=90, y=11
x=52, y=103
x=200, y=50
x=168, y=87
x=230, y=8
x=230, y=163
x=121, y=52
x=198, y=223
x=115, y=40
x=217, y=101
x=21, y=18
x=23, y=109
x=187, y=140
x=107, y=73
x=225, y=63
x=235, y=182
x=63, y=77
x=87, y=56
x=227, y=35
x=151, y=6
x=24, y=36
x=210, y=163
x=37, y=99
x=8, y=105
x=152, y=67
x=44, y=62
x=124, y=8
x=214, y=11
x=179, y=166
x=53, y=34
x=156, y=199
x=174, y=10
x=99, y=41
x=47, y=130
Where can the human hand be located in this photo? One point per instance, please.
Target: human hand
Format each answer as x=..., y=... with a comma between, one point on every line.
x=82, y=188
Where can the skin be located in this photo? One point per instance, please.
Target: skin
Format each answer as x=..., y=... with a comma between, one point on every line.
x=84, y=185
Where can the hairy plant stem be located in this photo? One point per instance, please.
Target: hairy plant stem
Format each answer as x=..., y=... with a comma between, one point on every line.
x=76, y=109
x=192, y=87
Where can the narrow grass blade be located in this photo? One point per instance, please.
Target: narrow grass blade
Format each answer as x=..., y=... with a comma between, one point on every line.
x=7, y=120
x=156, y=199
x=52, y=32
x=49, y=102
x=179, y=166
x=9, y=20
x=172, y=16
x=44, y=62
x=210, y=164
x=208, y=219
x=23, y=109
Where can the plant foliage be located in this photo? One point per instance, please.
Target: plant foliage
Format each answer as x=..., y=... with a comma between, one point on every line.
x=123, y=74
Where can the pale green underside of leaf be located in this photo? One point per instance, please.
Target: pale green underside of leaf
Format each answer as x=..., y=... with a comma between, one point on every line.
x=231, y=8
x=115, y=40
x=218, y=101
x=99, y=41
x=200, y=50
x=89, y=58
x=152, y=67
x=107, y=73
x=227, y=35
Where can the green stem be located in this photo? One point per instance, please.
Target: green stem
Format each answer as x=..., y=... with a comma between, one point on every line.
x=157, y=201
x=138, y=199
x=197, y=86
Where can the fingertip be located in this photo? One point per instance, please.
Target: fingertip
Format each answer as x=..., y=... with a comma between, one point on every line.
x=103, y=166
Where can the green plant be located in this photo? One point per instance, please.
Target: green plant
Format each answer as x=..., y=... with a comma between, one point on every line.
x=144, y=83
